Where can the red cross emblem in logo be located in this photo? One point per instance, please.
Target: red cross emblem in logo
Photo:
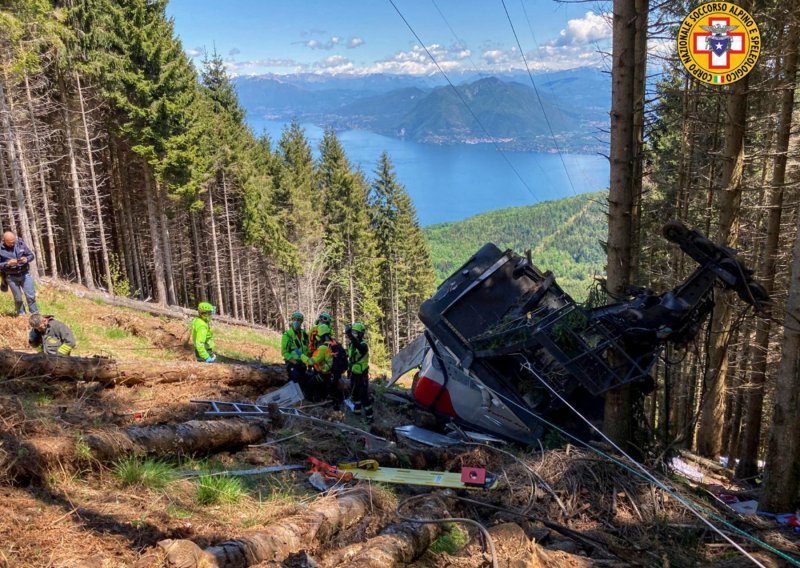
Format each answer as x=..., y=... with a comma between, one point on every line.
x=703, y=42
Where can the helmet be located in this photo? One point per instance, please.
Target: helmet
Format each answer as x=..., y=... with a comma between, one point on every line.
x=323, y=329
x=205, y=307
x=297, y=316
x=325, y=317
x=358, y=327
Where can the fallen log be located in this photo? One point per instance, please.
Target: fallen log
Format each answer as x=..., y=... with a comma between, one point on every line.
x=395, y=545
x=273, y=544
x=194, y=436
x=31, y=458
x=20, y=365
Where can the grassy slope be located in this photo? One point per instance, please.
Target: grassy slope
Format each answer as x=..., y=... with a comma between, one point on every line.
x=124, y=333
x=564, y=237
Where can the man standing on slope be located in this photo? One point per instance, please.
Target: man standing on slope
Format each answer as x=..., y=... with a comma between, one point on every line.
x=294, y=345
x=50, y=336
x=15, y=261
x=358, y=368
x=202, y=336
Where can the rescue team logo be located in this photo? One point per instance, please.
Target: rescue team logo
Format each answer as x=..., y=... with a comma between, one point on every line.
x=719, y=43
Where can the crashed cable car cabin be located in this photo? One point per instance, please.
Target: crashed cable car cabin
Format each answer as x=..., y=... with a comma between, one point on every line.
x=499, y=332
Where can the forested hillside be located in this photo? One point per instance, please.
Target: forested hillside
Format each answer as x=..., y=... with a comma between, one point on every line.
x=124, y=168
x=564, y=237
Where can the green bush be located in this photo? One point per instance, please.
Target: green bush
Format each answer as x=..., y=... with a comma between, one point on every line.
x=150, y=473
x=215, y=489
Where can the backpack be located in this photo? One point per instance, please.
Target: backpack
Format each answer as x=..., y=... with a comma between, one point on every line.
x=340, y=363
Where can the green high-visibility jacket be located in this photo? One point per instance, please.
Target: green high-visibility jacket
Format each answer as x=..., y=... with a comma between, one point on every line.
x=358, y=357
x=292, y=340
x=202, y=337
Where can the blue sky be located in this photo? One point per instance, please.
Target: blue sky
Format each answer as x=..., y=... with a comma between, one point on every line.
x=357, y=37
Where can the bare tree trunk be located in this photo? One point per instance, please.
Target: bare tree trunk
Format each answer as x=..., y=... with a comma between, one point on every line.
x=202, y=292
x=155, y=236
x=782, y=479
x=215, y=252
x=234, y=301
x=757, y=352
x=51, y=241
x=617, y=422
x=14, y=161
x=709, y=437
x=86, y=261
x=95, y=192
x=7, y=190
x=169, y=272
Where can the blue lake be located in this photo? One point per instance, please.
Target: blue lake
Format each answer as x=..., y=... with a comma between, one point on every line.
x=448, y=183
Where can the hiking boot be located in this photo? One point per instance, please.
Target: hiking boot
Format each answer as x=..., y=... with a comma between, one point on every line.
x=3, y=286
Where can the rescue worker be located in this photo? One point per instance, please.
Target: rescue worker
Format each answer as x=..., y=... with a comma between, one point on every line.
x=15, y=263
x=202, y=336
x=323, y=318
x=50, y=336
x=294, y=345
x=358, y=369
x=321, y=382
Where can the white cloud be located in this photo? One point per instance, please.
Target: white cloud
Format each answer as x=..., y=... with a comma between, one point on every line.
x=240, y=67
x=354, y=42
x=417, y=62
x=316, y=44
x=591, y=28
x=194, y=52
x=234, y=52
x=334, y=64
x=548, y=57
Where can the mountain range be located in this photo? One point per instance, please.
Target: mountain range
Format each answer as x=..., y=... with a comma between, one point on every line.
x=503, y=109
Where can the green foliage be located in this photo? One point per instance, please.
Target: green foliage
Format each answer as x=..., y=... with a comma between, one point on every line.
x=147, y=472
x=451, y=541
x=406, y=271
x=218, y=489
x=119, y=283
x=564, y=237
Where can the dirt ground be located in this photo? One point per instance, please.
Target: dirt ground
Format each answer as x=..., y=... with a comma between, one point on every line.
x=561, y=507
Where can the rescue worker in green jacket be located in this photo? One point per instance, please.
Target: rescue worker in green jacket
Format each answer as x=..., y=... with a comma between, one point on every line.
x=321, y=383
x=323, y=318
x=294, y=345
x=358, y=369
x=50, y=336
x=202, y=336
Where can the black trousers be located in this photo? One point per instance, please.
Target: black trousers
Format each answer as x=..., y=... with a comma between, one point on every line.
x=361, y=398
x=298, y=372
x=322, y=386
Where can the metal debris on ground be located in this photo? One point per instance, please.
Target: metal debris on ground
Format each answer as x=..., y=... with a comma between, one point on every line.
x=241, y=472
x=288, y=395
x=226, y=408
x=424, y=436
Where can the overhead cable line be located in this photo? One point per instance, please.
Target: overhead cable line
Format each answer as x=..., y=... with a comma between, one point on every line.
x=538, y=97
x=557, y=107
x=464, y=102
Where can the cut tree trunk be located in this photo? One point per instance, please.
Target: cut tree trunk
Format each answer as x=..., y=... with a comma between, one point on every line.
x=194, y=436
x=397, y=544
x=318, y=524
x=18, y=365
x=31, y=458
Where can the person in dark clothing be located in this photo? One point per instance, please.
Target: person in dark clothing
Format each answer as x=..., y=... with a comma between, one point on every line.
x=323, y=382
x=50, y=336
x=358, y=369
x=15, y=260
x=294, y=345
